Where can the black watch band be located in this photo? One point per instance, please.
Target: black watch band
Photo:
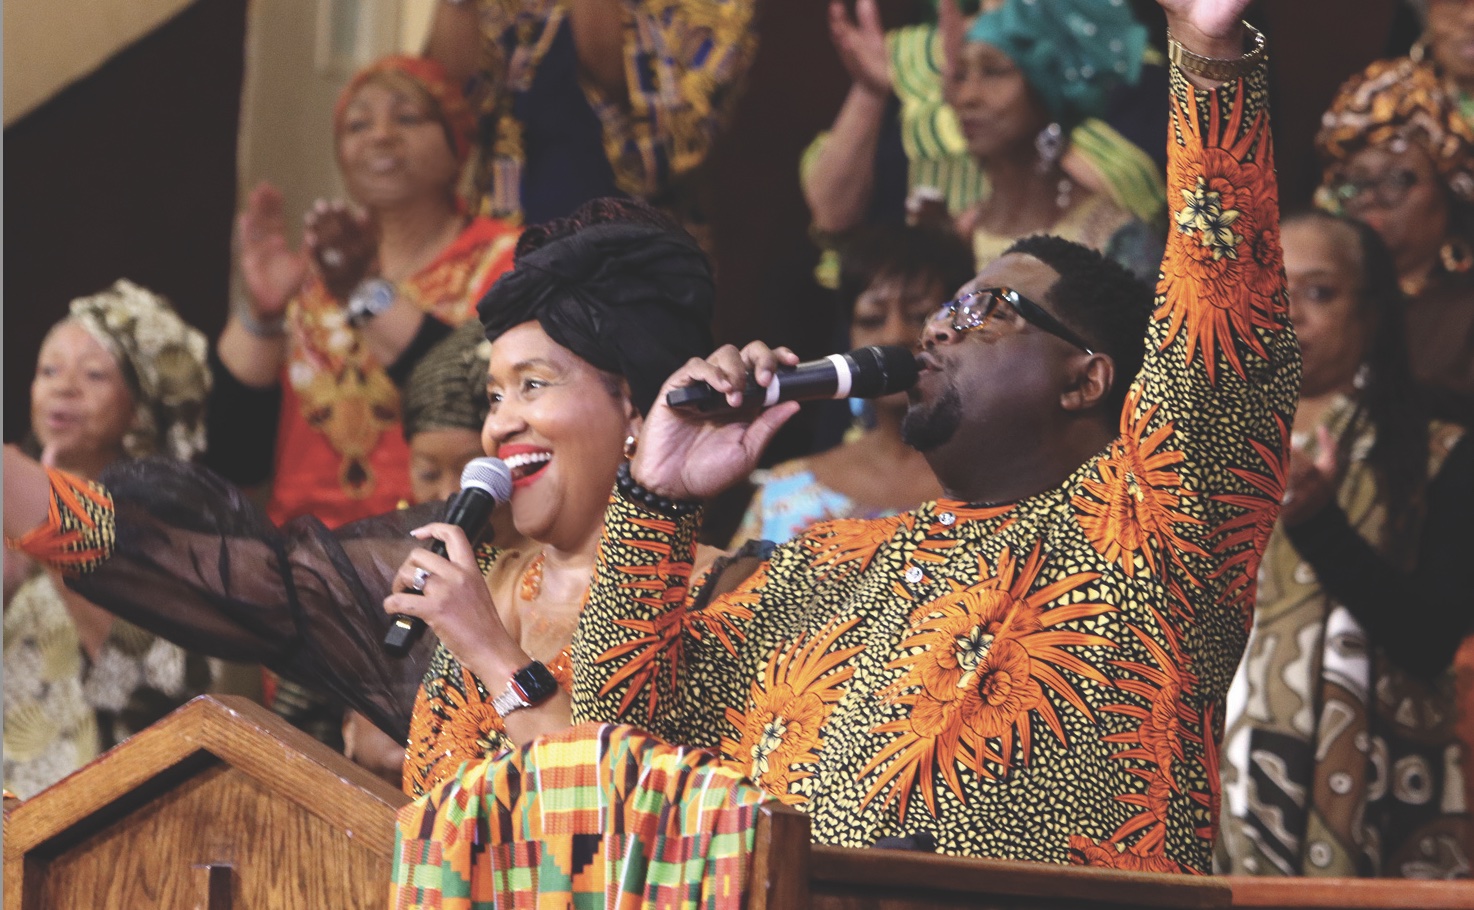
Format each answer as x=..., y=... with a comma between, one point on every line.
x=531, y=685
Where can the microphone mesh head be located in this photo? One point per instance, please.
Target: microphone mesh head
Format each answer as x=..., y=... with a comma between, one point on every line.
x=883, y=369
x=489, y=474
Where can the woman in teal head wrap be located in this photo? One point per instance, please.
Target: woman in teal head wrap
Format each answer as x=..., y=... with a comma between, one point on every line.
x=1029, y=72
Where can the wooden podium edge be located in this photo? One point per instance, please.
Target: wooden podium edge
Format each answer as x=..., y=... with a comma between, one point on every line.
x=1382, y=893
x=209, y=730
x=1017, y=878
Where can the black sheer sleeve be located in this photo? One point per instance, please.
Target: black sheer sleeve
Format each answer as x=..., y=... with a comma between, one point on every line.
x=240, y=424
x=1417, y=617
x=197, y=563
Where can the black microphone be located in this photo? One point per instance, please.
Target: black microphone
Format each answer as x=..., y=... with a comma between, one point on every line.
x=869, y=372
x=485, y=483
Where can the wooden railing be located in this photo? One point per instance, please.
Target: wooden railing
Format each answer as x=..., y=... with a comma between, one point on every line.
x=222, y=804
x=789, y=873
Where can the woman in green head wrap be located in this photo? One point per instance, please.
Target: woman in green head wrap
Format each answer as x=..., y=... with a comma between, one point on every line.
x=1029, y=72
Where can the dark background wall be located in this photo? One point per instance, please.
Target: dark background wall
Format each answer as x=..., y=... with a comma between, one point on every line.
x=131, y=172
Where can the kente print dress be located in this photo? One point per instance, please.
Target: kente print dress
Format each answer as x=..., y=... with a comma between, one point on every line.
x=1042, y=680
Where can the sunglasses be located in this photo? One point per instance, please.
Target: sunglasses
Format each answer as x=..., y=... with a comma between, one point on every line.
x=970, y=311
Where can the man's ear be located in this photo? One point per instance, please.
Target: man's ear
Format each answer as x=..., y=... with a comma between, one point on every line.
x=1093, y=378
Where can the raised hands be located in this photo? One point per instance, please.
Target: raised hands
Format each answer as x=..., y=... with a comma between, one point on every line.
x=272, y=270
x=343, y=242
x=1312, y=481
x=861, y=44
x=1212, y=28
x=690, y=457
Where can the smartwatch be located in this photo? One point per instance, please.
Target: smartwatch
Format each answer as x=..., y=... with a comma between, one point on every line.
x=531, y=685
x=372, y=297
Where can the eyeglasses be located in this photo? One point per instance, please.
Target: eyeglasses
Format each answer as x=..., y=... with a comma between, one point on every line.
x=1388, y=191
x=970, y=311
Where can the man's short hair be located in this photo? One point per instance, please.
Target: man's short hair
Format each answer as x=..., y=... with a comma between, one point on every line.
x=1101, y=300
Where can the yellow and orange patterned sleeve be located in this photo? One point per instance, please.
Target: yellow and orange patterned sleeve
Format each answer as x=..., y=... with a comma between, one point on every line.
x=78, y=533
x=654, y=648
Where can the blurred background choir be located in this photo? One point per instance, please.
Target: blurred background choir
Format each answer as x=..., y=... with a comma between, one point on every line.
x=348, y=378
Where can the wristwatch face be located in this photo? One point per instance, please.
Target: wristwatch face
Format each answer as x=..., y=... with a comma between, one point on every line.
x=369, y=299
x=536, y=682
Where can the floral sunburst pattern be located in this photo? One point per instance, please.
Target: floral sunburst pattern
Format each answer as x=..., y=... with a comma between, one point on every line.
x=1164, y=721
x=1133, y=506
x=977, y=662
x=1223, y=238
x=1243, y=537
x=848, y=545
x=780, y=733
x=1001, y=646
x=662, y=639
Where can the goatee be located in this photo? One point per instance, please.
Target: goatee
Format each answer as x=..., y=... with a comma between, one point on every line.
x=924, y=428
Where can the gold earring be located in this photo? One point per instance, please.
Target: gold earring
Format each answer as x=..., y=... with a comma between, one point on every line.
x=1456, y=255
x=631, y=442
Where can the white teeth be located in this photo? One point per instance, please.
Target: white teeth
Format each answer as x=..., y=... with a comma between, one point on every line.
x=523, y=459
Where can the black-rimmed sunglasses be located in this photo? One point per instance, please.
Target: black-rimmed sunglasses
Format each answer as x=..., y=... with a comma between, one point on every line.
x=970, y=311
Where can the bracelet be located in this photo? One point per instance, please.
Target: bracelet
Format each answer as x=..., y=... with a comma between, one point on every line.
x=653, y=501
x=276, y=328
x=1215, y=68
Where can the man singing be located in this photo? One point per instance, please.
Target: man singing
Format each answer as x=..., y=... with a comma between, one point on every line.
x=1033, y=667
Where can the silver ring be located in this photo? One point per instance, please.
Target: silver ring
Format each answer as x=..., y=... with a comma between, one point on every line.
x=418, y=582
x=332, y=257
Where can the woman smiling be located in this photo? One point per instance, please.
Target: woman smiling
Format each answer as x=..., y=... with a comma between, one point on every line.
x=598, y=310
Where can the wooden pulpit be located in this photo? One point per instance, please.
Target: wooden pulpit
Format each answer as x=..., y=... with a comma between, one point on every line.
x=221, y=804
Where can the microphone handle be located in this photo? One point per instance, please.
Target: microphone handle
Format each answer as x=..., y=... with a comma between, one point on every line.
x=815, y=381
x=469, y=510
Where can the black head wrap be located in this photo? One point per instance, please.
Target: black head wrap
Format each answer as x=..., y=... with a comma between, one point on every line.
x=631, y=299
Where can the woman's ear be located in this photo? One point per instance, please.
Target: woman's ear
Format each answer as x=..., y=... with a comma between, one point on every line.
x=634, y=420
x=1093, y=380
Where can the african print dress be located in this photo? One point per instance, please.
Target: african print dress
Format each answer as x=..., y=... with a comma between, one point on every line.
x=340, y=454
x=1042, y=680
x=551, y=141
x=1338, y=762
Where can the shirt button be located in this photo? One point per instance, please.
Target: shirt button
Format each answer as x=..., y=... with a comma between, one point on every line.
x=913, y=575
x=947, y=519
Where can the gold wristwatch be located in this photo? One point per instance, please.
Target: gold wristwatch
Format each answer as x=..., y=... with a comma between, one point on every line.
x=1215, y=68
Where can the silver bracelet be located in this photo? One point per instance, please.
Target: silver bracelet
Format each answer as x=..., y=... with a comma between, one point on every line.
x=276, y=328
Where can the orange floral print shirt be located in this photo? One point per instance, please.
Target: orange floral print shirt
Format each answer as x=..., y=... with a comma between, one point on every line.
x=1042, y=681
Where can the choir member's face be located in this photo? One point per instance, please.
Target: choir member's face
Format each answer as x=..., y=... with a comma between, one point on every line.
x=1395, y=188
x=392, y=145
x=894, y=310
x=1451, y=38
x=1323, y=267
x=81, y=407
x=436, y=458
x=999, y=111
x=560, y=424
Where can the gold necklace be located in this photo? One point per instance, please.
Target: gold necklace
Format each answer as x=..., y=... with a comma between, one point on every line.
x=531, y=583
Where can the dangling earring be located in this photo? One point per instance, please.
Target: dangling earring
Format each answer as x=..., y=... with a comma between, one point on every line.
x=1456, y=255
x=631, y=442
x=1050, y=144
x=1062, y=192
x=1419, y=51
